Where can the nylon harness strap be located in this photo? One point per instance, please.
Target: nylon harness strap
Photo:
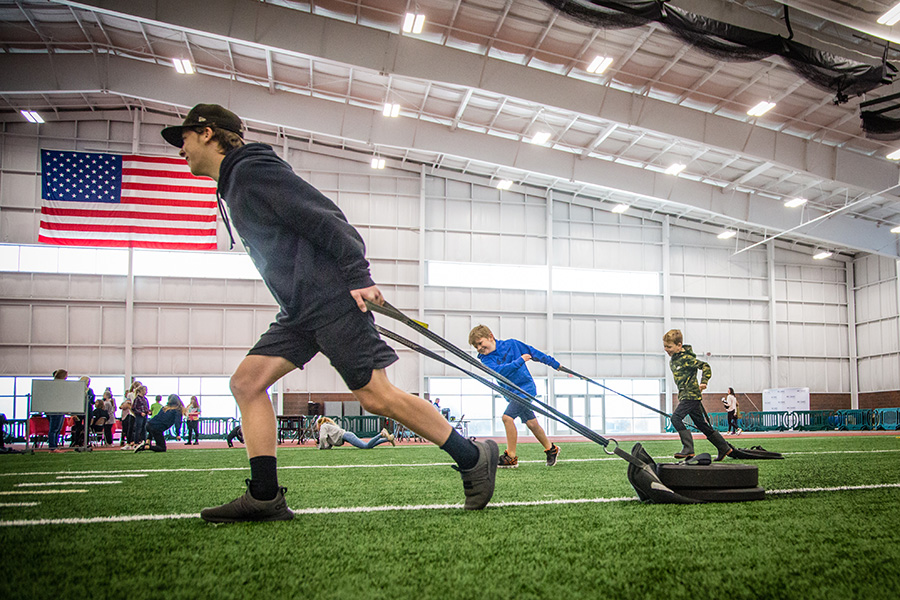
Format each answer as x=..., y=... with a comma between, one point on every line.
x=519, y=395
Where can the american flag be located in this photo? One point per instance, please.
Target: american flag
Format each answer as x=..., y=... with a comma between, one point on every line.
x=94, y=199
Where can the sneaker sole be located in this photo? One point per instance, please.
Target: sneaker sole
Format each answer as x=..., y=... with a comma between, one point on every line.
x=263, y=520
x=507, y=466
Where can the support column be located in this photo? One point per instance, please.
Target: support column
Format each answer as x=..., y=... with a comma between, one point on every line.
x=773, y=330
x=669, y=384
x=551, y=349
x=129, y=283
x=851, y=335
x=422, y=273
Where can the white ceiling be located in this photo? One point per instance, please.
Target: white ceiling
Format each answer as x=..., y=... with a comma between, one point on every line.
x=484, y=76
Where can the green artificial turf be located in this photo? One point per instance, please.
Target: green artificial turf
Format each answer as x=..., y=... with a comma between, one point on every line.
x=814, y=544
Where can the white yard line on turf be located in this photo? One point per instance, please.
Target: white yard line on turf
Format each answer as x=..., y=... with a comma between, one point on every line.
x=22, y=492
x=49, y=483
x=135, y=472
x=373, y=509
x=101, y=476
x=11, y=504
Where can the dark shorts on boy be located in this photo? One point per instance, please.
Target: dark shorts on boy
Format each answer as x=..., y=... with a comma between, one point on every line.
x=514, y=409
x=350, y=342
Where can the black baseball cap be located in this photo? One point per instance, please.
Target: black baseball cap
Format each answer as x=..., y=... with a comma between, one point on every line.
x=204, y=115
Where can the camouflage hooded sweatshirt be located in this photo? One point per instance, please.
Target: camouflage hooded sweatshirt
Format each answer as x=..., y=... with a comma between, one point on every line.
x=685, y=365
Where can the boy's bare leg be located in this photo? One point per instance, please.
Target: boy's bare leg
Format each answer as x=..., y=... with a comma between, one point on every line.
x=382, y=397
x=538, y=432
x=249, y=384
x=512, y=436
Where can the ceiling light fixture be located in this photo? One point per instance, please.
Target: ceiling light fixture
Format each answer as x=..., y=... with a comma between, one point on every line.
x=890, y=17
x=391, y=110
x=727, y=234
x=183, y=66
x=822, y=255
x=31, y=116
x=377, y=163
x=895, y=155
x=675, y=169
x=504, y=184
x=620, y=208
x=599, y=64
x=540, y=138
x=413, y=23
x=761, y=109
x=896, y=229
x=795, y=202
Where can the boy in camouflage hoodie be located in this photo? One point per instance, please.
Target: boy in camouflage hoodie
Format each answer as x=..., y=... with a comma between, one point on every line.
x=685, y=364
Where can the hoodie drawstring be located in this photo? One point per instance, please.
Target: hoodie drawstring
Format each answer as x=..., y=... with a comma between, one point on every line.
x=225, y=218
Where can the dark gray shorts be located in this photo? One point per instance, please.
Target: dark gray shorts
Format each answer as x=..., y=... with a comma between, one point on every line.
x=351, y=343
x=514, y=409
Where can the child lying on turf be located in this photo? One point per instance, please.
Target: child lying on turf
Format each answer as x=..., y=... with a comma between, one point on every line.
x=332, y=435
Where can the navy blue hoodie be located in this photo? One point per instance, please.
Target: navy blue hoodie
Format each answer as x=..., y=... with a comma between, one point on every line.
x=301, y=243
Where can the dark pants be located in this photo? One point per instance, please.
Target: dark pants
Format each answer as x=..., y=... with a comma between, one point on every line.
x=694, y=408
x=159, y=437
x=732, y=421
x=108, y=432
x=127, y=430
x=238, y=433
x=193, y=427
x=140, y=428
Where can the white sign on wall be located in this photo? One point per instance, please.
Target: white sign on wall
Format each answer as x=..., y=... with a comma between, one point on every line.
x=786, y=399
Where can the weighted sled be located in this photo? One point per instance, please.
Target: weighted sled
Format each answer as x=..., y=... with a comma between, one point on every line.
x=710, y=477
x=723, y=495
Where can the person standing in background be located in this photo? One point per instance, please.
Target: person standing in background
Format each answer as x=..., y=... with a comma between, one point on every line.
x=56, y=421
x=193, y=421
x=731, y=407
x=111, y=419
x=127, y=417
x=141, y=409
x=156, y=406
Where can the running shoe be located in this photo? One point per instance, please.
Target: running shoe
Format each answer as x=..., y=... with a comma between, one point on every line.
x=508, y=462
x=552, y=455
x=248, y=508
x=478, y=482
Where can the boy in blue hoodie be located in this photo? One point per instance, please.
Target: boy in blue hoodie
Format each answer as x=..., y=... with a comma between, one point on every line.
x=508, y=357
x=314, y=264
x=685, y=364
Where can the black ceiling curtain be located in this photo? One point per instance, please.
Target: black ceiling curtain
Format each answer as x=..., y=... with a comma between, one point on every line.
x=831, y=73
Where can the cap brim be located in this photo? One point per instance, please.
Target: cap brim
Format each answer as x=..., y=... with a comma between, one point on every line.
x=173, y=135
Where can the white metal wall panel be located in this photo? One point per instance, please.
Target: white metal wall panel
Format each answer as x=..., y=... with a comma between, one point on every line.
x=878, y=323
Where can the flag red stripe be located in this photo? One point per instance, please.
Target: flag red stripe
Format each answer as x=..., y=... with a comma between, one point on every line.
x=166, y=160
x=124, y=214
x=155, y=187
x=167, y=202
x=126, y=229
x=127, y=243
x=126, y=171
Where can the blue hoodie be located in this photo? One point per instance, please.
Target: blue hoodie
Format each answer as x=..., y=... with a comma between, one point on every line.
x=306, y=251
x=507, y=360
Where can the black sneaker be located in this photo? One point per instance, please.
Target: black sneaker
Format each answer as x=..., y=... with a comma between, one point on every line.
x=552, y=454
x=141, y=447
x=248, y=508
x=508, y=462
x=478, y=482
